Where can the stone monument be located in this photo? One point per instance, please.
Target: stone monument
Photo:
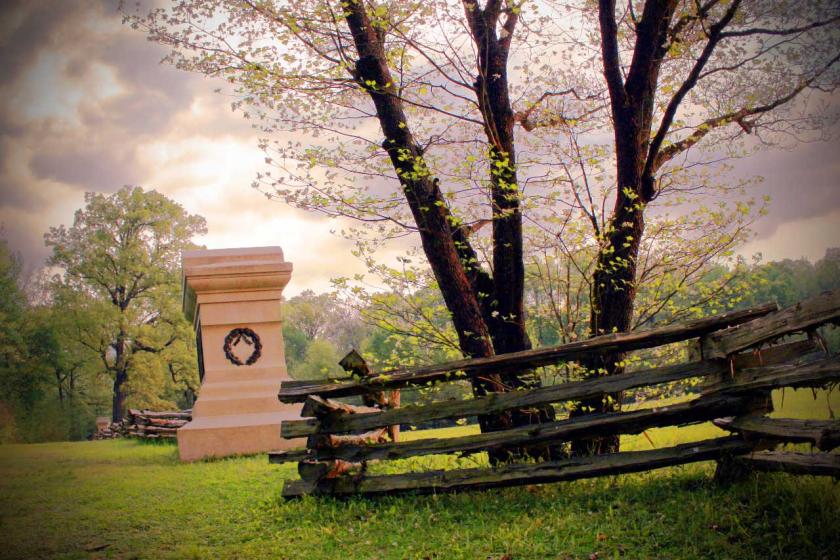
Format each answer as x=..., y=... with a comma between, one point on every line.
x=232, y=297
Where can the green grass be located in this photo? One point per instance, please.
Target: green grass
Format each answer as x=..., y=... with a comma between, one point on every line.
x=127, y=499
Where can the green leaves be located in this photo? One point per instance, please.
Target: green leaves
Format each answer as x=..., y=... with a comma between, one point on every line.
x=120, y=278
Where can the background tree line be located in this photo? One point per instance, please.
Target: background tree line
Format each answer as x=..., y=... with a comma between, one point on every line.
x=406, y=323
x=101, y=327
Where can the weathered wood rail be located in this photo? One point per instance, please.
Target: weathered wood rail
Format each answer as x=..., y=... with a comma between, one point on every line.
x=147, y=424
x=741, y=361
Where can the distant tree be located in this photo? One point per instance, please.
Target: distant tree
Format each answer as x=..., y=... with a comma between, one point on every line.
x=21, y=387
x=295, y=342
x=12, y=306
x=827, y=270
x=42, y=372
x=785, y=282
x=321, y=361
x=120, y=269
x=325, y=316
x=311, y=313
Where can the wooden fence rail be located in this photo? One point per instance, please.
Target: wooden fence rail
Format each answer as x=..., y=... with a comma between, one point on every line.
x=737, y=376
x=611, y=343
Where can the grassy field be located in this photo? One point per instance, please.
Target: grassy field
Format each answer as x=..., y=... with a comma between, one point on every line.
x=126, y=499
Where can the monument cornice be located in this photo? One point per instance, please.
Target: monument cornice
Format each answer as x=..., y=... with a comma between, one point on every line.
x=253, y=269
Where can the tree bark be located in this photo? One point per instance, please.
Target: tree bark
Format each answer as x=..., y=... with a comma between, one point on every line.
x=505, y=312
x=118, y=397
x=120, y=371
x=484, y=326
x=631, y=104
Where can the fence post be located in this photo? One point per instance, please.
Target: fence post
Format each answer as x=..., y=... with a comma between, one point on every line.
x=729, y=470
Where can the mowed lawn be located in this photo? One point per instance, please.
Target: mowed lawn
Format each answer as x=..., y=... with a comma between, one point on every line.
x=127, y=499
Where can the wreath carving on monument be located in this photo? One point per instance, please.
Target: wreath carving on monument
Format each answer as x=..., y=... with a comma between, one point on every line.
x=247, y=336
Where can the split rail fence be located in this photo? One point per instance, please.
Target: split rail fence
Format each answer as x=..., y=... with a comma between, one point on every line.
x=744, y=355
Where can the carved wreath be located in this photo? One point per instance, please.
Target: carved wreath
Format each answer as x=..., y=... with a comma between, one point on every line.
x=247, y=336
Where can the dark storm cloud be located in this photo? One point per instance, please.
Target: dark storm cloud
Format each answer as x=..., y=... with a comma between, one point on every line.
x=27, y=29
x=89, y=169
x=97, y=153
x=116, y=97
x=107, y=113
x=802, y=183
x=13, y=194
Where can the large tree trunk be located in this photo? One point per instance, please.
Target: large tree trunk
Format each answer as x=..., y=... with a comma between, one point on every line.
x=120, y=371
x=505, y=312
x=118, y=397
x=613, y=296
x=487, y=312
x=631, y=103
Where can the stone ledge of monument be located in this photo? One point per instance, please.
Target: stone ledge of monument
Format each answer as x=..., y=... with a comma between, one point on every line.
x=247, y=384
x=263, y=295
x=233, y=254
x=243, y=267
x=234, y=405
x=244, y=419
x=241, y=373
x=245, y=393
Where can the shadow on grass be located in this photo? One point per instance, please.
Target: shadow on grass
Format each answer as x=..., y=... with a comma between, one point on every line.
x=674, y=513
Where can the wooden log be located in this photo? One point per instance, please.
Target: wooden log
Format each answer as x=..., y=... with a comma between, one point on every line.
x=817, y=464
x=314, y=471
x=380, y=435
x=137, y=419
x=394, y=429
x=519, y=474
x=806, y=314
x=143, y=416
x=814, y=374
x=824, y=434
x=168, y=415
x=818, y=373
x=291, y=456
x=159, y=430
x=528, y=359
x=496, y=402
x=778, y=354
x=325, y=442
x=698, y=410
x=355, y=364
x=317, y=406
x=307, y=382
x=167, y=423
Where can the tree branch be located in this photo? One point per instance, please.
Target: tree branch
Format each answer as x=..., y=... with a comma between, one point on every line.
x=609, y=52
x=665, y=155
x=432, y=215
x=686, y=86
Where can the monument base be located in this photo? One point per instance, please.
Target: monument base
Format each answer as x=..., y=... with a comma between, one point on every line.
x=235, y=434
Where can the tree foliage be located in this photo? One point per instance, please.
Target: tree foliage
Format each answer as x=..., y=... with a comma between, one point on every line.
x=578, y=131
x=120, y=263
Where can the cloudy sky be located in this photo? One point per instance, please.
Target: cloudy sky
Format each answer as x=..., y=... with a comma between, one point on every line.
x=86, y=106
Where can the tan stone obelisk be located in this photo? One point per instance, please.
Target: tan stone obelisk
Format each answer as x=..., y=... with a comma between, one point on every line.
x=232, y=297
